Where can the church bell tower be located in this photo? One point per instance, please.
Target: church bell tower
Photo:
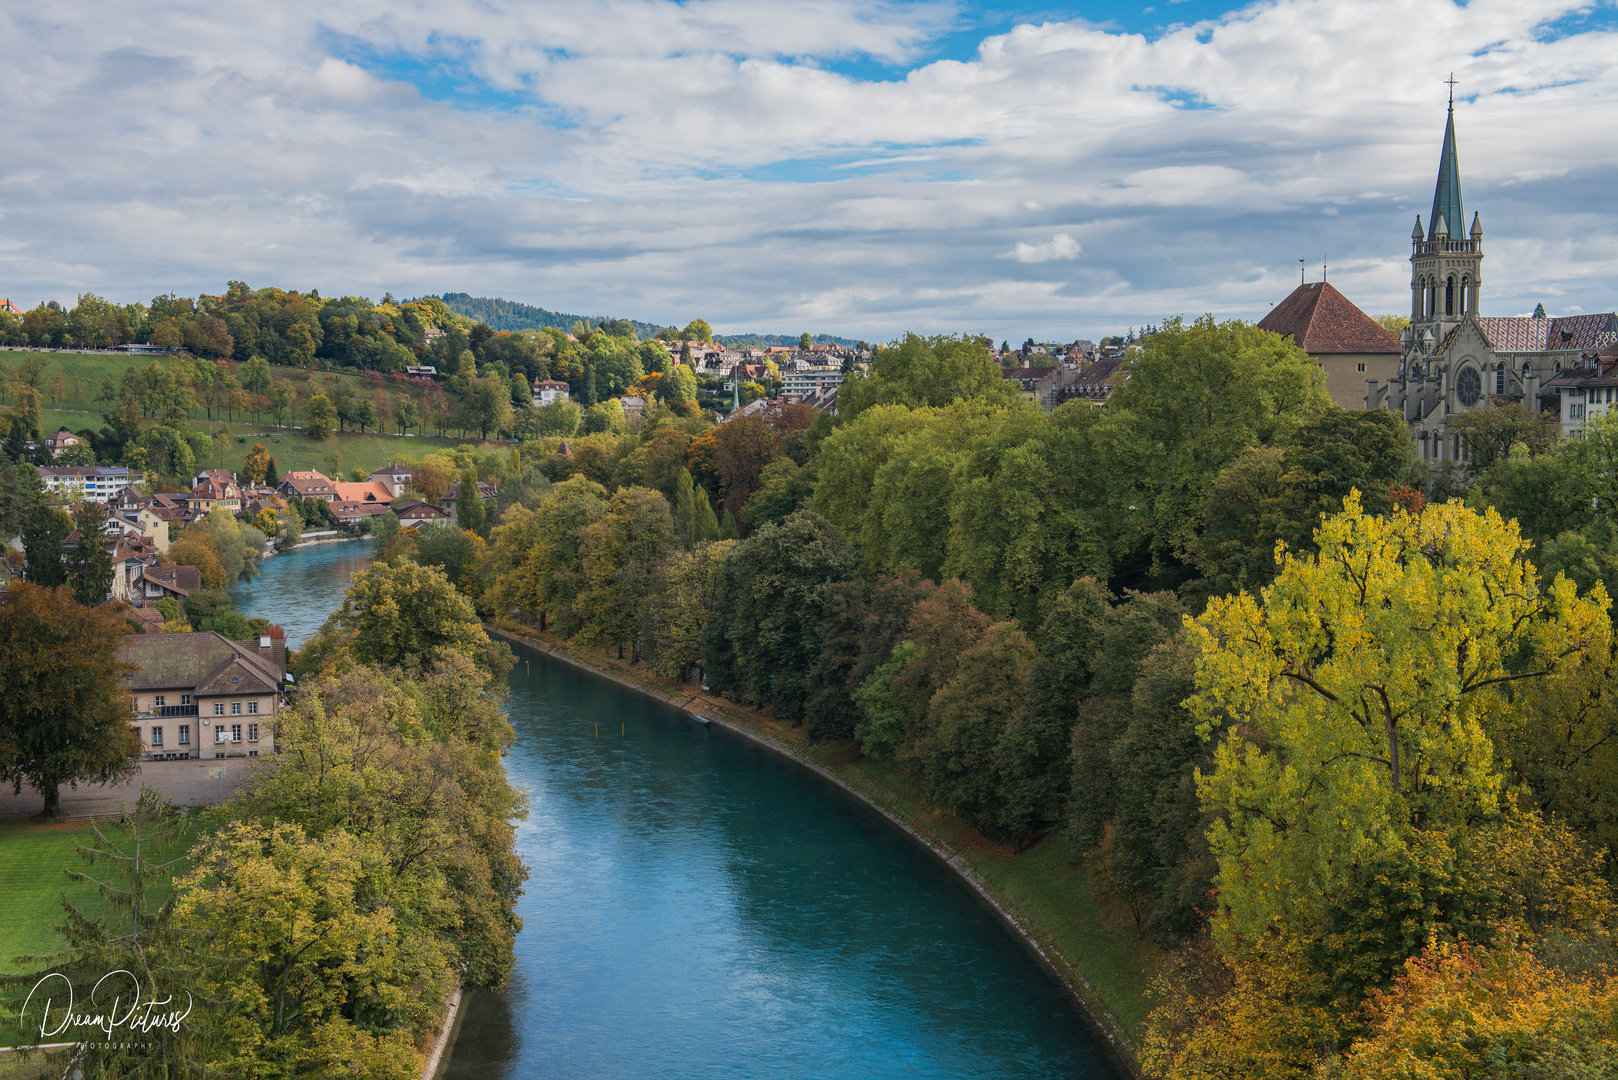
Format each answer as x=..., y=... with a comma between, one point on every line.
x=1446, y=264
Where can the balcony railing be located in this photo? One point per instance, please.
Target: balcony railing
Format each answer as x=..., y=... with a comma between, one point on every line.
x=170, y=710
x=1448, y=247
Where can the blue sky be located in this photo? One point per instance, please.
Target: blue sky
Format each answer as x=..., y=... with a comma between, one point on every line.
x=831, y=165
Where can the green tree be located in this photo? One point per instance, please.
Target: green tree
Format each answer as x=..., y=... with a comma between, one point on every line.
x=927, y=371
x=89, y=565
x=468, y=503
x=42, y=536
x=488, y=401
x=678, y=606
x=409, y=616
x=765, y=633
x=621, y=553
x=805, y=342
x=64, y=718
x=320, y=418
x=141, y=943
x=566, y=509
x=697, y=330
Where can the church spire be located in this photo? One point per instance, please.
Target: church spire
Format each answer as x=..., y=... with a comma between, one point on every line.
x=1447, y=196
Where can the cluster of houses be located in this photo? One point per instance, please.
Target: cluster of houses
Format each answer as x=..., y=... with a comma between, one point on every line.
x=199, y=694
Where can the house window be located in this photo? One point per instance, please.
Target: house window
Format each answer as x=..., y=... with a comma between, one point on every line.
x=219, y=734
x=235, y=708
x=185, y=699
x=185, y=734
x=157, y=701
x=252, y=708
x=219, y=708
x=252, y=733
x=157, y=736
x=235, y=733
x=1360, y=367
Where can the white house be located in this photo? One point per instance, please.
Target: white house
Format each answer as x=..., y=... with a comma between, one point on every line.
x=547, y=391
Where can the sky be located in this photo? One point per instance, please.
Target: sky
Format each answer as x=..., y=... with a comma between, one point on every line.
x=1053, y=171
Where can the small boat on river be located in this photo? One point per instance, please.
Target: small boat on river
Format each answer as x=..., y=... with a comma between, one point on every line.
x=703, y=720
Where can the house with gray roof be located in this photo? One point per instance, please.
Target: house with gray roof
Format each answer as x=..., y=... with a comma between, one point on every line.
x=202, y=695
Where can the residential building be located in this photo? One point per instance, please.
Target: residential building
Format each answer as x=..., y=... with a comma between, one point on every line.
x=1454, y=358
x=61, y=441
x=421, y=371
x=1096, y=382
x=366, y=491
x=1584, y=394
x=633, y=407
x=10, y=309
x=395, y=477
x=201, y=695
x=547, y=391
x=412, y=512
x=179, y=582
x=93, y=483
x=211, y=493
x=800, y=381
x=487, y=491
x=308, y=485
x=352, y=511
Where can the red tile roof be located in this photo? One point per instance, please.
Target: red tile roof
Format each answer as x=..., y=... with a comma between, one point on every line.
x=1319, y=319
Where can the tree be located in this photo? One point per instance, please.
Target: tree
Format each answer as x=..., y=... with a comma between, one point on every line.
x=42, y=538
x=1494, y=427
x=320, y=419
x=918, y=371
x=621, y=550
x=697, y=330
x=679, y=605
x=282, y=398
x=973, y=715
x=765, y=633
x=1360, y=694
x=257, y=464
x=693, y=514
x=140, y=939
x=290, y=534
x=430, y=482
x=805, y=342
x=195, y=548
x=468, y=503
x=89, y=564
x=409, y=616
x=488, y=402
x=64, y=718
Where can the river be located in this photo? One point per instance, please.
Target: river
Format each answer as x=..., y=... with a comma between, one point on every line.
x=700, y=907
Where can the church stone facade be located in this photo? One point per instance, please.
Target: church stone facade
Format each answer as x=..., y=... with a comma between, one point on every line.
x=1453, y=358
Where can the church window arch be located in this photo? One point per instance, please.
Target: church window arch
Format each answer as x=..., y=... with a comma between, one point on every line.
x=1449, y=295
x=1466, y=291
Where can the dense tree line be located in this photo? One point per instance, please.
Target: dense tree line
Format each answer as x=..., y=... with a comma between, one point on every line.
x=1346, y=751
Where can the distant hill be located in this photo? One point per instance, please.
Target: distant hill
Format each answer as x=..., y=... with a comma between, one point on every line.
x=502, y=314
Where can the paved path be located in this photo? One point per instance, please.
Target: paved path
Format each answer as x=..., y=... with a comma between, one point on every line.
x=187, y=782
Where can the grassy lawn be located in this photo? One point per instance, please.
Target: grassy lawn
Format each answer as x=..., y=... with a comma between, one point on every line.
x=1061, y=904
x=33, y=858
x=293, y=450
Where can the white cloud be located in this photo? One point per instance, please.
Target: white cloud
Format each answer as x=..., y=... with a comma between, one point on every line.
x=662, y=160
x=1060, y=246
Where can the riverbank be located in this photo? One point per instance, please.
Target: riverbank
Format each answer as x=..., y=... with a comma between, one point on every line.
x=1054, y=907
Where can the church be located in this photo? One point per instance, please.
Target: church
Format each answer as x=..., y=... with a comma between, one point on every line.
x=1453, y=358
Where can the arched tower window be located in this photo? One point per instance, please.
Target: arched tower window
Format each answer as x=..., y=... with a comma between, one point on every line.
x=1449, y=296
x=1466, y=291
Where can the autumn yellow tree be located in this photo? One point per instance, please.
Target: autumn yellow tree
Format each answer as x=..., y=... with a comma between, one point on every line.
x=257, y=464
x=1360, y=692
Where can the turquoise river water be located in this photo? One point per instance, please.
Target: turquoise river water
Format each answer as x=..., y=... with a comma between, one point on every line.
x=699, y=906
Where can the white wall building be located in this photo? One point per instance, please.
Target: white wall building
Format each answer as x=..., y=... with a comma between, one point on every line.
x=92, y=483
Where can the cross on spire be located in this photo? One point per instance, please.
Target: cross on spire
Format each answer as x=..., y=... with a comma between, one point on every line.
x=1451, y=81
